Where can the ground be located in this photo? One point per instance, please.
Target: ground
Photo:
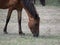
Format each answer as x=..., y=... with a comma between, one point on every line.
x=49, y=28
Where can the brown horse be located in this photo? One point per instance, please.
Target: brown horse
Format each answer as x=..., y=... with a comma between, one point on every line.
x=19, y=5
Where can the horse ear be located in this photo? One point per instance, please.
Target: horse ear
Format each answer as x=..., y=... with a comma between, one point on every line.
x=42, y=2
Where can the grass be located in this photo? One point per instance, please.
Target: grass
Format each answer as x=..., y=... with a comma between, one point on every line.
x=11, y=39
x=28, y=39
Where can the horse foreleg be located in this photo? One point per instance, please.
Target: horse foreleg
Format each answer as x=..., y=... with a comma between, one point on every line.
x=7, y=20
x=19, y=21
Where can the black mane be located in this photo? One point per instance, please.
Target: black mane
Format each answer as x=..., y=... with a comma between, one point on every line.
x=30, y=7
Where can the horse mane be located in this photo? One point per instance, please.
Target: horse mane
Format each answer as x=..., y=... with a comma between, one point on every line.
x=30, y=7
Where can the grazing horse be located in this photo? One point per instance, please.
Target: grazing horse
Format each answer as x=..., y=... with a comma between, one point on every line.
x=19, y=5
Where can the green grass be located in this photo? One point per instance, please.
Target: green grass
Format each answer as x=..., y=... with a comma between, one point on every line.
x=11, y=39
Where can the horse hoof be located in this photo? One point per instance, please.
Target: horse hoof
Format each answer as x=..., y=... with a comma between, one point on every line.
x=21, y=33
x=5, y=32
x=35, y=35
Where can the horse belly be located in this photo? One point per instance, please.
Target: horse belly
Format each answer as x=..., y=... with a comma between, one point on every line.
x=3, y=6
